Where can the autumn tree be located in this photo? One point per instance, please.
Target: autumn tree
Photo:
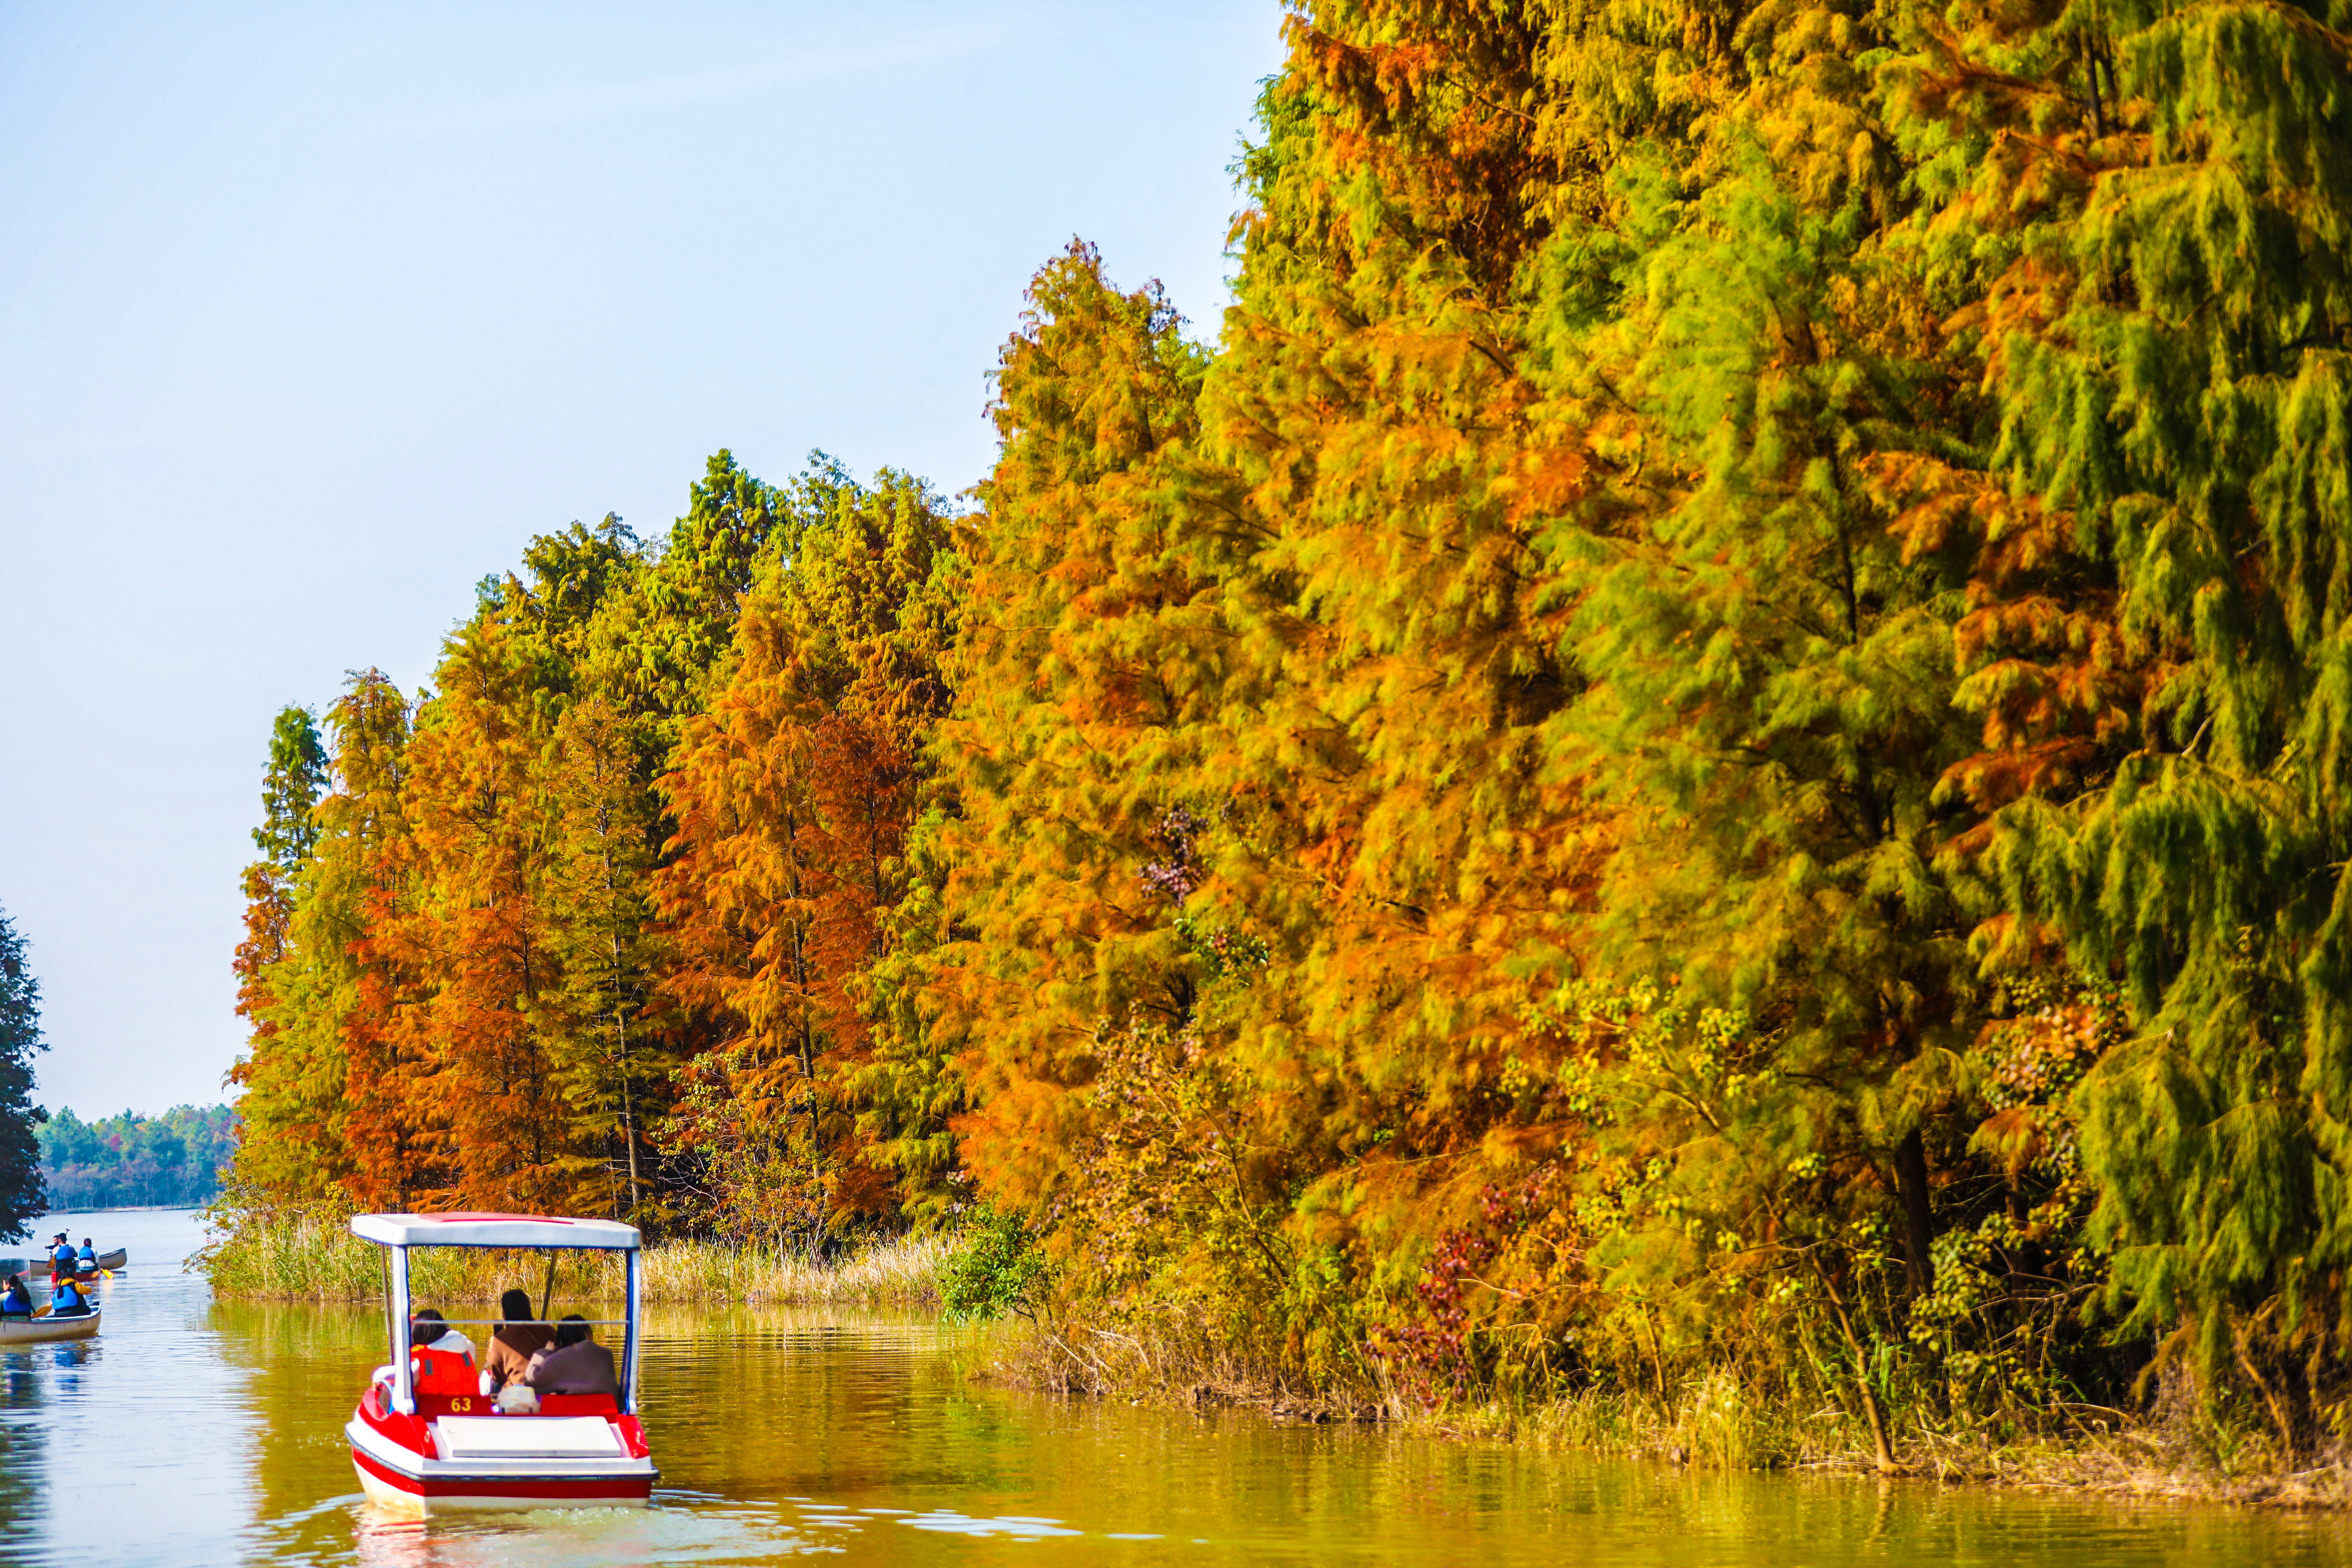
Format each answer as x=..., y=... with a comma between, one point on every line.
x=2155, y=535
x=1067, y=715
x=294, y=779
x=794, y=797
x=304, y=980
x=364, y=992
x=609, y=1064
x=1258, y=802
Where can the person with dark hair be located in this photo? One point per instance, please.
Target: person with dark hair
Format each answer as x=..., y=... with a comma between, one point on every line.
x=428, y=1330
x=520, y=1336
x=577, y=1363
x=16, y=1301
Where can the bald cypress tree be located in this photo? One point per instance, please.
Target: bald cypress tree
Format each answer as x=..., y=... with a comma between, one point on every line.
x=293, y=782
x=1083, y=677
x=2160, y=535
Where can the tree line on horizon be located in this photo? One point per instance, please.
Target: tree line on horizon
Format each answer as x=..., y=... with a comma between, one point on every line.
x=1709, y=738
x=173, y=1160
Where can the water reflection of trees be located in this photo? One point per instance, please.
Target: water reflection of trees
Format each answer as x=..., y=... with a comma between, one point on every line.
x=35, y=1384
x=308, y=1364
x=747, y=1402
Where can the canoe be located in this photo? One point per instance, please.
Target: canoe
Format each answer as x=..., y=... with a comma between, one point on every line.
x=46, y=1330
x=116, y=1259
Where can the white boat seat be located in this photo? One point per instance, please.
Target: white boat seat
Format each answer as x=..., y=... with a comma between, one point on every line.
x=525, y=1436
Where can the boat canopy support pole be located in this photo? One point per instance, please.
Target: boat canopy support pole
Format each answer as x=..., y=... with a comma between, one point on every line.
x=629, y=1354
x=403, y=1378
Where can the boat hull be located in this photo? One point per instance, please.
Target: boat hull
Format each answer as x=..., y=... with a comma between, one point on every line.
x=388, y=1488
x=396, y=1476
x=14, y=1331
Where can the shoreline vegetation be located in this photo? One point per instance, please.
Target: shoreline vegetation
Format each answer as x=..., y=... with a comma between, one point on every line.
x=1713, y=1423
x=313, y=1256
x=2172, y=1451
x=1693, y=763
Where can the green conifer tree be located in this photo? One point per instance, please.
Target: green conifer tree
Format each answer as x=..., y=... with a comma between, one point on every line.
x=2161, y=207
x=291, y=786
x=22, y=1193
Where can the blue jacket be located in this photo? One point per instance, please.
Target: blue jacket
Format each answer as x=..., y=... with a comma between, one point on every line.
x=64, y=1298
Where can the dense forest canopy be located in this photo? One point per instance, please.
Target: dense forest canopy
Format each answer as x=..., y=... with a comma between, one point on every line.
x=1707, y=735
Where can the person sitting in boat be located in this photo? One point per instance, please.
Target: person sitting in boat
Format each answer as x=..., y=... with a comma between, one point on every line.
x=442, y=1358
x=16, y=1301
x=66, y=1301
x=86, y=1260
x=61, y=1256
x=520, y=1337
x=576, y=1364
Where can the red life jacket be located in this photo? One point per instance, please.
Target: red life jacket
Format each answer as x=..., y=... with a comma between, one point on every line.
x=444, y=1371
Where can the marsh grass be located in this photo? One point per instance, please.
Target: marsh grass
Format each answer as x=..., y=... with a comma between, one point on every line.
x=311, y=1256
x=900, y=1271
x=2176, y=1449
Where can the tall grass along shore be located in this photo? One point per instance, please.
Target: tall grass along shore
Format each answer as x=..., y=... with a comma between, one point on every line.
x=2179, y=1444
x=311, y=1256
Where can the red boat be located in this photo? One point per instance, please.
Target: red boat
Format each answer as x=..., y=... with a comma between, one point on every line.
x=423, y=1451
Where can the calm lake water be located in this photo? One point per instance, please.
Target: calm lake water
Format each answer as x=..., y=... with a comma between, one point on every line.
x=201, y=1431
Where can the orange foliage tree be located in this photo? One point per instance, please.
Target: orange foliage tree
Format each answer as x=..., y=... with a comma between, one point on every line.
x=793, y=795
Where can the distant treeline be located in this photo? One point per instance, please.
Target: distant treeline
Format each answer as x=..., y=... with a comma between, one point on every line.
x=132, y=1161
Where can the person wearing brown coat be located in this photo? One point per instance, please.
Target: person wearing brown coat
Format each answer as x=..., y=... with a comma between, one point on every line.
x=518, y=1340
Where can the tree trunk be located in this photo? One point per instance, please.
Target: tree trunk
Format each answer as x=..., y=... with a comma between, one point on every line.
x=1918, y=1224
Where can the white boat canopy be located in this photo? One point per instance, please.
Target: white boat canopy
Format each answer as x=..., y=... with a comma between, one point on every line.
x=492, y=1230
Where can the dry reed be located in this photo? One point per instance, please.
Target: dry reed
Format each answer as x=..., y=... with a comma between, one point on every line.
x=287, y=1255
x=1713, y=1423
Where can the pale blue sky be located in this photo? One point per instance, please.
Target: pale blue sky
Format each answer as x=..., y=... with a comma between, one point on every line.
x=311, y=315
